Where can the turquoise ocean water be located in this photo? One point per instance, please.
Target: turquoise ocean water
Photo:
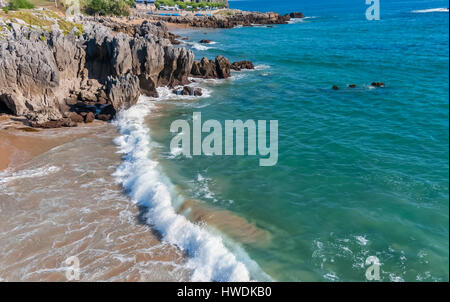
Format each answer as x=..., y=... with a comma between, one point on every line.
x=361, y=172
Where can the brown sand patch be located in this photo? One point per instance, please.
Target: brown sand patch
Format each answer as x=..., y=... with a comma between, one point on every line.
x=19, y=144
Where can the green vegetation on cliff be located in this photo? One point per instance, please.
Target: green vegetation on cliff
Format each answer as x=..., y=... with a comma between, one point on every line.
x=18, y=4
x=43, y=19
x=108, y=7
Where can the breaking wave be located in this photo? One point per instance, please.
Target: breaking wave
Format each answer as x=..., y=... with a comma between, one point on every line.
x=140, y=176
x=432, y=10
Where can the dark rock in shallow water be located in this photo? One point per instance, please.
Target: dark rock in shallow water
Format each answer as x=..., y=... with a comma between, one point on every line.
x=352, y=86
x=242, y=65
x=335, y=87
x=204, y=41
x=218, y=69
x=187, y=90
x=107, y=113
x=89, y=118
x=377, y=84
x=295, y=15
x=198, y=92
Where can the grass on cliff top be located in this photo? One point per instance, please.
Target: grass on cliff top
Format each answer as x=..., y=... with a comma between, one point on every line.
x=29, y=18
x=37, y=18
x=67, y=27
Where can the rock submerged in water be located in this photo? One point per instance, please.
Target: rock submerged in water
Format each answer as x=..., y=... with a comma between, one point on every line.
x=295, y=15
x=238, y=66
x=198, y=92
x=218, y=69
x=204, y=41
x=187, y=90
x=352, y=86
x=335, y=87
x=377, y=84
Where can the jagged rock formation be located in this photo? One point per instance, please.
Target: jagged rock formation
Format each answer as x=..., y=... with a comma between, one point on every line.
x=43, y=74
x=59, y=79
x=47, y=75
x=208, y=69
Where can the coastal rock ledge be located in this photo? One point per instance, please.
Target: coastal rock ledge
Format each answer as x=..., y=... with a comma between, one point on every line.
x=57, y=79
x=229, y=19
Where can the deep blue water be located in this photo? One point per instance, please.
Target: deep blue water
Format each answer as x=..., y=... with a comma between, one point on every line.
x=361, y=172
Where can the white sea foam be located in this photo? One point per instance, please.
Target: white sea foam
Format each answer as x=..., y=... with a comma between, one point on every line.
x=202, y=190
x=300, y=20
x=207, y=81
x=209, y=259
x=432, y=10
x=362, y=240
x=8, y=176
x=262, y=67
x=199, y=46
x=295, y=21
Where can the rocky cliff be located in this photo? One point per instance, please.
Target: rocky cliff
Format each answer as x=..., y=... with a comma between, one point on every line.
x=58, y=78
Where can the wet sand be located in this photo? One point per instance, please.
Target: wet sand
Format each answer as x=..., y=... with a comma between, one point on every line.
x=20, y=143
x=61, y=201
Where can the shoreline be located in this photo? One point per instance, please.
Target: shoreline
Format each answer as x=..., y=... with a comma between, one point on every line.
x=31, y=153
x=75, y=207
